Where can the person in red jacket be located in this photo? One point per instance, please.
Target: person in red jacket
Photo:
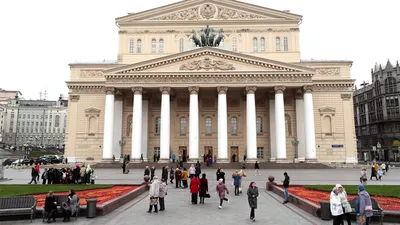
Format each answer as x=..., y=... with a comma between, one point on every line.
x=37, y=168
x=194, y=188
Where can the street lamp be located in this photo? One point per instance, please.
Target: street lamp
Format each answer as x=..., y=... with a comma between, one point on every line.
x=295, y=143
x=379, y=146
x=122, y=144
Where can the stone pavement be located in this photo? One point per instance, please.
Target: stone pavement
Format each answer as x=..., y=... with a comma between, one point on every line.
x=179, y=210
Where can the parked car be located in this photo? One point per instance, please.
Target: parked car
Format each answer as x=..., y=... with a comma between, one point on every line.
x=42, y=160
x=21, y=161
x=52, y=159
x=7, y=162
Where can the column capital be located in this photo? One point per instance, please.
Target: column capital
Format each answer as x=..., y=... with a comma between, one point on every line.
x=165, y=90
x=194, y=90
x=109, y=90
x=279, y=89
x=222, y=90
x=119, y=96
x=307, y=88
x=137, y=90
x=346, y=96
x=251, y=89
x=299, y=94
x=74, y=98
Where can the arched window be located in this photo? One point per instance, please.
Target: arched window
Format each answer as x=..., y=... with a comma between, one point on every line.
x=57, y=121
x=278, y=44
x=161, y=46
x=377, y=88
x=181, y=45
x=288, y=125
x=255, y=44
x=139, y=46
x=158, y=125
x=234, y=44
x=129, y=126
x=262, y=44
x=327, y=126
x=92, y=125
x=153, y=46
x=234, y=125
x=285, y=44
x=390, y=85
x=131, y=46
x=183, y=126
x=208, y=126
x=259, y=125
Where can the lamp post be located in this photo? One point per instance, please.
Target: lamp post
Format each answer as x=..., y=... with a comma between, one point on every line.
x=379, y=146
x=122, y=143
x=295, y=143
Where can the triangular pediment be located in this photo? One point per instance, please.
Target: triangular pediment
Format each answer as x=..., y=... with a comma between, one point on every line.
x=92, y=111
x=208, y=59
x=327, y=110
x=191, y=10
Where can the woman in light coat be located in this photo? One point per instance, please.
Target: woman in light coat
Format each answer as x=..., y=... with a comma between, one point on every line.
x=162, y=194
x=154, y=193
x=252, y=194
x=336, y=207
x=220, y=191
x=345, y=203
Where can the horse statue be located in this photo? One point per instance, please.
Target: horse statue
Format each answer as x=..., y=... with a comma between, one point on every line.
x=203, y=38
x=196, y=40
x=220, y=37
x=211, y=37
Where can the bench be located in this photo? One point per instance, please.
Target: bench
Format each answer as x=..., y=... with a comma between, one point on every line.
x=376, y=209
x=19, y=205
x=60, y=199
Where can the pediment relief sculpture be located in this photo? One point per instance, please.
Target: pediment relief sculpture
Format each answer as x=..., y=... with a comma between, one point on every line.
x=328, y=71
x=327, y=111
x=91, y=73
x=207, y=64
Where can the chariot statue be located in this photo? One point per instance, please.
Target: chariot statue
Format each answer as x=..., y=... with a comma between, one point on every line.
x=208, y=37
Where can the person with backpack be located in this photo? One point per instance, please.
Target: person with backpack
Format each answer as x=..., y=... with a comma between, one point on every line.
x=45, y=176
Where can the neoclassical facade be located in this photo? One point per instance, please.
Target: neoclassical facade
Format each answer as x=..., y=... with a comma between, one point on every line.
x=251, y=95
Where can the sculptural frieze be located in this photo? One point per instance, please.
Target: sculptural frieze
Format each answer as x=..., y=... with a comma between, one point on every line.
x=188, y=14
x=207, y=64
x=207, y=11
x=226, y=14
x=91, y=73
x=328, y=71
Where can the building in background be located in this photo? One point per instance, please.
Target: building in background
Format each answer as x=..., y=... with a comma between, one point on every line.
x=5, y=96
x=377, y=114
x=35, y=122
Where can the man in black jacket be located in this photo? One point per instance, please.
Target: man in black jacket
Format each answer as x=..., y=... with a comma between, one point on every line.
x=285, y=187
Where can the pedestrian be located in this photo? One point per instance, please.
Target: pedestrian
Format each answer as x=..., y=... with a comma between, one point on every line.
x=243, y=164
x=75, y=174
x=252, y=194
x=162, y=194
x=82, y=174
x=123, y=166
x=192, y=171
x=88, y=174
x=222, y=175
x=152, y=172
x=50, y=207
x=203, y=193
x=44, y=176
x=345, y=203
x=146, y=171
x=33, y=175
x=127, y=166
x=236, y=182
x=380, y=174
x=363, y=205
x=141, y=158
x=336, y=207
x=154, y=193
x=363, y=177
x=204, y=157
x=171, y=175
x=194, y=188
x=383, y=166
x=220, y=191
x=242, y=174
x=198, y=169
x=178, y=178
x=164, y=174
x=285, y=187
x=173, y=157
x=185, y=178
x=218, y=173
x=374, y=172
x=37, y=168
x=256, y=168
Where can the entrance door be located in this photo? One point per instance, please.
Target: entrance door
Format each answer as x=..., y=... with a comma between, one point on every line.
x=208, y=151
x=183, y=153
x=234, y=154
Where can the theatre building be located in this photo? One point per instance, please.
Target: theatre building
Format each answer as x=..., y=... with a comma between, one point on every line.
x=211, y=77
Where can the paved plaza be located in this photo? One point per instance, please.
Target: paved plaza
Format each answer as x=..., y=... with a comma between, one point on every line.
x=179, y=210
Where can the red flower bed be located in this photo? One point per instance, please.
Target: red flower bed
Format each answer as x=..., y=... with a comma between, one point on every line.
x=314, y=196
x=102, y=194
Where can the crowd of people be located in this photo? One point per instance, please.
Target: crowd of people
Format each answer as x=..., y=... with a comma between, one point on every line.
x=81, y=174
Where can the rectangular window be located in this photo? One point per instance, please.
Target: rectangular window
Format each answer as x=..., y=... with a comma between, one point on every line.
x=234, y=44
x=285, y=44
x=24, y=116
x=139, y=46
x=260, y=153
x=29, y=116
x=255, y=44
x=278, y=44
x=37, y=116
x=131, y=46
x=153, y=46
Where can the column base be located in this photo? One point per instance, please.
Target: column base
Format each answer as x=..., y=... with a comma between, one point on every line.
x=223, y=161
x=164, y=161
x=106, y=160
x=282, y=161
x=302, y=159
x=272, y=159
x=351, y=160
x=296, y=160
x=311, y=160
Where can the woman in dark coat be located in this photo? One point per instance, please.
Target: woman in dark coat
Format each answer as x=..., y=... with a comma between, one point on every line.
x=222, y=175
x=50, y=207
x=252, y=194
x=217, y=173
x=203, y=188
x=164, y=174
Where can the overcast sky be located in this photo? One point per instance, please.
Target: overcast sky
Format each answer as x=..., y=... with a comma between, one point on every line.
x=39, y=38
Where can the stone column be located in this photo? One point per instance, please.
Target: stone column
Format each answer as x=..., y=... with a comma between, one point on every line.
x=301, y=137
x=108, y=124
x=280, y=132
x=194, y=124
x=349, y=132
x=70, y=146
x=136, y=150
x=165, y=124
x=309, y=127
x=222, y=126
x=145, y=128
x=251, y=126
x=118, y=110
x=272, y=135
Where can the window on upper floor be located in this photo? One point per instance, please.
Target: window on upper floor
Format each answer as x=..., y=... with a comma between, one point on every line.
x=131, y=46
x=139, y=46
x=285, y=44
x=161, y=46
x=158, y=125
x=377, y=88
x=183, y=126
x=262, y=44
x=208, y=126
x=234, y=44
x=288, y=126
x=181, y=45
x=390, y=85
x=57, y=121
x=153, y=46
x=255, y=44
x=259, y=125
x=234, y=125
x=278, y=44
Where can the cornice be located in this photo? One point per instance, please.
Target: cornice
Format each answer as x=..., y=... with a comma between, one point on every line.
x=226, y=31
x=339, y=87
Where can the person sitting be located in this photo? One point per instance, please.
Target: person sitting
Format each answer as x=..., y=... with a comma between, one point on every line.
x=50, y=207
x=70, y=207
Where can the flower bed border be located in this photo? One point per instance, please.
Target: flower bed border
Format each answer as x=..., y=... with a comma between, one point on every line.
x=315, y=210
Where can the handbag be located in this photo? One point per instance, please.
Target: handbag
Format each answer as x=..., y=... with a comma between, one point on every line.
x=368, y=208
x=207, y=196
x=361, y=220
x=65, y=206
